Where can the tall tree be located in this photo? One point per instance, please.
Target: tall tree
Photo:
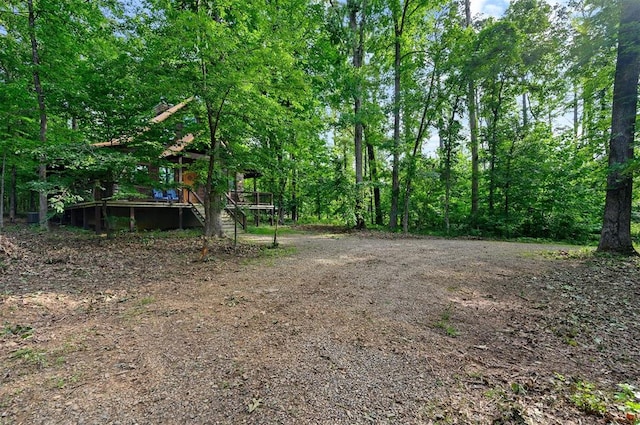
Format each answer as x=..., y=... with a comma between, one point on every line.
x=616, y=227
x=357, y=10
x=48, y=41
x=42, y=112
x=473, y=129
x=399, y=17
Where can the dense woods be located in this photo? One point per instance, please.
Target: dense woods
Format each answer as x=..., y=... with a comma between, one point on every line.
x=413, y=115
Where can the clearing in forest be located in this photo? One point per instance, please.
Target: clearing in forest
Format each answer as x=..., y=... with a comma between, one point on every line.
x=329, y=328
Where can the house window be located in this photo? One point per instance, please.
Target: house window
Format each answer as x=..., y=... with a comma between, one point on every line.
x=167, y=176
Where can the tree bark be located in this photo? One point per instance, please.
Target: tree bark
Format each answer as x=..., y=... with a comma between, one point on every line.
x=42, y=169
x=616, y=227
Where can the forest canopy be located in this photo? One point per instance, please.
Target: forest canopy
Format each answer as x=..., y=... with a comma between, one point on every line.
x=412, y=115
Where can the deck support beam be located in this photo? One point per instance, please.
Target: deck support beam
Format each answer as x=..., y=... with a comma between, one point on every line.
x=98, y=218
x=132, y=219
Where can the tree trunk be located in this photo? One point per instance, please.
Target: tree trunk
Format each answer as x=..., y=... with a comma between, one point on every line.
x=358, y=58
x=493, y=140
x=616, y=227
x=445, y=154
x=395, y=172
x=42, y=169
x=447, y=141
x=576, y=123
x=212, y=196
x=13, y=195
x=525, y=114
x=2, y=173
x=294, y=190
x=425, y=123
x=373, y=176
x=473, y=129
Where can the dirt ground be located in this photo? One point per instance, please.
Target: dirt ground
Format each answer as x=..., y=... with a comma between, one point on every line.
x=330, y=328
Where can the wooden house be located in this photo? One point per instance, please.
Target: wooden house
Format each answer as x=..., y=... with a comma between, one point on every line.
x=175, y=201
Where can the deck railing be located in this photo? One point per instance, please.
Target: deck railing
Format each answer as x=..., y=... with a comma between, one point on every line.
x=236, y=212
x=246, y=198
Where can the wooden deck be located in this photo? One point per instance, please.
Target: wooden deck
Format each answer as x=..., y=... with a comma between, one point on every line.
x=155, y=214
x=133, y=215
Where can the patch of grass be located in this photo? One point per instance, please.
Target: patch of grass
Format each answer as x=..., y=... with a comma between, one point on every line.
x=146, y=301
x=495, y=394
x=586, y=397
x=270, y=253
x=582, y=253
x=445, y=325
x=278, y=251
x=628, y=401
x=22, y=331
x=268, y=230
x=139, y=307
x=30, y=356
x=436, y=413
x=61, y=382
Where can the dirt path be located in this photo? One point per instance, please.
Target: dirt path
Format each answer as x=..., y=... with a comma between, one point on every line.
x=329, y=329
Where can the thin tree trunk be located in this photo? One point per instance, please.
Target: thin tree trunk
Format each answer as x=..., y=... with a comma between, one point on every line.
x=358, y=59
x=447, y=143
x=473, y=129
x=212, y=195
x=507, y=185
x=13, y=195
x=398, y=27
x=395, y=172
x=616, y=227
x=493, y=146
x=2, y=175
x=373, y=172
x=525, y=114
x=42, y=169
x=425, y=123
x=294, y=191
x=576, y=122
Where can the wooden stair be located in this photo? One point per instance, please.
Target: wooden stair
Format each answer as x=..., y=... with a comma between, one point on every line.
x=225, y=217
x=198, y=212
x=228, y=224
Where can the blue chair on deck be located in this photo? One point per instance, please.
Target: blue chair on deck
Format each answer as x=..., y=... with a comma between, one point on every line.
x=172, y=195
x=158, y=195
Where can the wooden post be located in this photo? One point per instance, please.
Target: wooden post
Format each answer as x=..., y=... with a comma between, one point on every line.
x=180, y=180
x=98, y=218
x=85, y=224
x=180, y=218
x=132, y=219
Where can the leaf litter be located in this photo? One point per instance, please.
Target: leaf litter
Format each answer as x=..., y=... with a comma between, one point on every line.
x=136, y=329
